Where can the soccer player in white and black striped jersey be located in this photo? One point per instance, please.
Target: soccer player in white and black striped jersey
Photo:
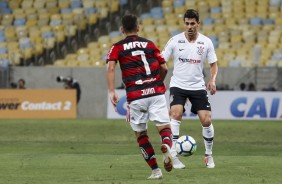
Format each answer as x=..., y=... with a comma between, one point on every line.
x=189, y=50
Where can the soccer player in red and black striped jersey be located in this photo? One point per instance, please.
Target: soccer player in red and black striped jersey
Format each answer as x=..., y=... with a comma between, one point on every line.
x=143, y=71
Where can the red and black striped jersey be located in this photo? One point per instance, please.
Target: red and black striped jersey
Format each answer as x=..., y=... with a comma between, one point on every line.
x=139, y=61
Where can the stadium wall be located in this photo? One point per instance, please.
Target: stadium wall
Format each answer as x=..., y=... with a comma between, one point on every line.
x=237, y=105
x=93, y=84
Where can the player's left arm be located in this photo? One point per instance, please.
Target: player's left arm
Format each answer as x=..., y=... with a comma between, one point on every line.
x=212, y=59
x=162, y=62
x=163, y=72
x=213, y=74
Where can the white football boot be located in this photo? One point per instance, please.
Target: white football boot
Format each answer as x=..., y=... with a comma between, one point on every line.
x=167, y=158
x=177, y=164
x=156, y=174
x=209, y=161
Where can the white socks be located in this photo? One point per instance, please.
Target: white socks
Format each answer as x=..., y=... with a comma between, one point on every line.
x=208, y=134
x=175, y=126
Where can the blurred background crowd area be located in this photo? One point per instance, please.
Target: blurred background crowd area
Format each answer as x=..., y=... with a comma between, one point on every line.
x=79, y=33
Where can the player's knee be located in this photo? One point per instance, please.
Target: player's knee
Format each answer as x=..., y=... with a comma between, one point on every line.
x=206, y=121
x=140, y=134
x=176, y=115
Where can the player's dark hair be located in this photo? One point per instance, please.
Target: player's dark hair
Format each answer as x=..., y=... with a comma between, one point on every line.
x=192, y=14
x=129, y=23
x=21, y=80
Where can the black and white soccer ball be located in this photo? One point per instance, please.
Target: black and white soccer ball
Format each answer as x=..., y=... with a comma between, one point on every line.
x=186, y=145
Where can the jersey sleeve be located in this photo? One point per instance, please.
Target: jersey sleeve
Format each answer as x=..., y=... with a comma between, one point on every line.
x=211, y=55
x=168, y=49
x=158, y=55
x=113, y=54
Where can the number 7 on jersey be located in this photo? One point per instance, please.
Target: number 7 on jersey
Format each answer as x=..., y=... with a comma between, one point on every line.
x=144, y=60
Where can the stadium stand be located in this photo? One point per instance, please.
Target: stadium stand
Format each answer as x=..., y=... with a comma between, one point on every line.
x=46, y=32
x=54, y=28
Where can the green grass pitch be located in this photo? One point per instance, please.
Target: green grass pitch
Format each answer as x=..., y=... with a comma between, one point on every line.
x=105, y=151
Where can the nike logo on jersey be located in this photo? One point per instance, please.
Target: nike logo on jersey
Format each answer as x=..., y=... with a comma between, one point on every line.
x=181, y=49
x=135, y=44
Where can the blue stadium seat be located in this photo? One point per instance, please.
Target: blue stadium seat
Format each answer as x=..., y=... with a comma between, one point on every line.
x=55, y=22
x=4, y=4
x=76, y=4
x=66, y=10
x=123, y=2
x=2, y=36
x=275, y=2
x=4, y=63
x=256, y=21
x=114, y=33
x=178, y=3
x=47, y=34
x=208, y=21
x=25, y=43
x=89, y=11
x=2, y=39
x=268, y=21
x=214, y=40
x=215, y=9
x=157, y=12
x=5, y=10
x=276, y=56
x=19, y=22
x=3, y=50
x=145, y=15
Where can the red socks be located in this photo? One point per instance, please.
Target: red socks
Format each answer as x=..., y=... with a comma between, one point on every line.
x=166, y=136
x=147, y=151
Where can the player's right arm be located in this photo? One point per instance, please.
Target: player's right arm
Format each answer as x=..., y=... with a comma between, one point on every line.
x=111, y=61
x=111, y=82
x=168, y=49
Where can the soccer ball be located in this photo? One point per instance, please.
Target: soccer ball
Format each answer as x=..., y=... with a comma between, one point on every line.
x=186, y=145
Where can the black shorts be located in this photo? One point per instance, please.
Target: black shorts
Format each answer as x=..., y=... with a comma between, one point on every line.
x=198, y=98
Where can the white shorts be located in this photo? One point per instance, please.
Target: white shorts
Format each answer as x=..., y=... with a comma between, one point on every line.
x=152, y=108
